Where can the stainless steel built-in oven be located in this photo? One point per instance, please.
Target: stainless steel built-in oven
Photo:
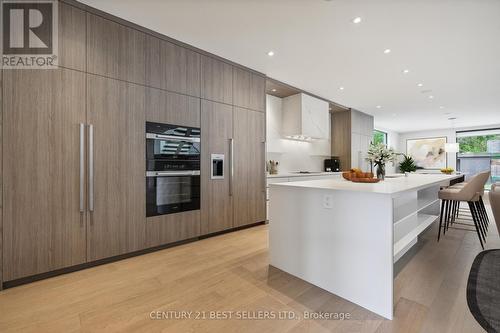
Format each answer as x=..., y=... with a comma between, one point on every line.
x=172, y=168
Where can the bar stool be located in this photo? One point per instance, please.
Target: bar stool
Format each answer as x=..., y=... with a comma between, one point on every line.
x=470, y=193
x=495, y=203
x=481, y=209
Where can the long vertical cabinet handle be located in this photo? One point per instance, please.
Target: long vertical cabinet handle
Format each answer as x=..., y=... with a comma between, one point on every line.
x=264, y=180
x=82, y=167
x=231, y=165
x=91, y=168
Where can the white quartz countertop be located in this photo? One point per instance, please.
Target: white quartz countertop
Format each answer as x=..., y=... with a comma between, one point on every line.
x=295, y=174
x=388, y=186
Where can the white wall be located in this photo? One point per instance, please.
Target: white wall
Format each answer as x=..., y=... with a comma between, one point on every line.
x=292, y=155
x=449, y=133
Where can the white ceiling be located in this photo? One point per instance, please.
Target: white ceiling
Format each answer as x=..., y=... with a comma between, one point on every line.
x=451, y=46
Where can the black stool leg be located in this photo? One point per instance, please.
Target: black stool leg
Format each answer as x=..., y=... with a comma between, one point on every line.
x=447, y=203
x=474, y=218
x=449, y=214
x=441, y=218
x=484, y=209
x=482, y=220
x=483, y=215
x=458, y=209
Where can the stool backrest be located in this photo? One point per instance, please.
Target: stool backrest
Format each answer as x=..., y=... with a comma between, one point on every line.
x=484, y=176
x=495, y=203
x=474, y=186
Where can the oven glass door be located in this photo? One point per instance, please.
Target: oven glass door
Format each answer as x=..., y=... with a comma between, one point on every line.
x=172, y=194
x=172, y=149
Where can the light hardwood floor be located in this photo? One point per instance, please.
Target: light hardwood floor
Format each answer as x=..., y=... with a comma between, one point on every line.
x=231, y=273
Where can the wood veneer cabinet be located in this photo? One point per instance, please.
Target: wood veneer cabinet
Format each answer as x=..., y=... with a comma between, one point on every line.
x=72, y=37
x=114, y=50
x=43, y=227
x=216, y=196
x=117, y=224
x=172, y=67
x=352, y=132
x=249, y=90
x=115, y=76
x=249, y=167
x=171, y=108
x=216, y=80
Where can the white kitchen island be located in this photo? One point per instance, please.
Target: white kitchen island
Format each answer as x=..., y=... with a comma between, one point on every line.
x=345, y=237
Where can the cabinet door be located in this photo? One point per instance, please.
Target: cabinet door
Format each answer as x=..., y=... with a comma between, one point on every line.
x=44, y=229
x=249, y=167
x=115, y=50
x=216, y=200
x=117, y=223
x=248, y=90
x=171, y=108
x=172, y=67
x=72, y=37
x=216, y=80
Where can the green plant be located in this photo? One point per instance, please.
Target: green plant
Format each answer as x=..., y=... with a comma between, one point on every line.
x=407, y=164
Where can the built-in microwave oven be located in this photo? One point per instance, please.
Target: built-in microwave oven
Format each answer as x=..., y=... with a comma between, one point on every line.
x=172, y=168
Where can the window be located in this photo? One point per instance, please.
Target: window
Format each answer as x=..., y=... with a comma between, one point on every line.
x=479, y=151
x=379, y=137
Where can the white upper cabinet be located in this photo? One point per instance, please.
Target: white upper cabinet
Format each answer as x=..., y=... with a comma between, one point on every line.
x=305, y=117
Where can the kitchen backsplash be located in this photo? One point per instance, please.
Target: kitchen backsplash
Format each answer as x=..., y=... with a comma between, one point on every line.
x=291, y=155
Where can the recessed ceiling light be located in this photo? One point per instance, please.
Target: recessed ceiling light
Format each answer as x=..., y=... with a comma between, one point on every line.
x=441, y=107
x=406, y=71
x=273, y=90
x=341, y=88
x=420, y=85
x=270, y=53
x=431, y=97
x=378, y=106
x=386, y=51
x=357, y=20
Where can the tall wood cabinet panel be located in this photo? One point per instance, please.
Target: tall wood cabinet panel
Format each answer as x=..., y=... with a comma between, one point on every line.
x=171, y=108
x=115, y=51
x=171, y=67
x=117, y=224
x=72, y=37
x=216, y=199
x=341, y=138
x=43, y=227
x=249, y=167
x=216, y=80
x=249, y=90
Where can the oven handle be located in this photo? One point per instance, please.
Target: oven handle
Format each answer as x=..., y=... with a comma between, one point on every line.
x=172, y=173
x=171, y=137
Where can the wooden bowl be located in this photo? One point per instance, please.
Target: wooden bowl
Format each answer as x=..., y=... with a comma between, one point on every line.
x=348, y=175
x=365, y=180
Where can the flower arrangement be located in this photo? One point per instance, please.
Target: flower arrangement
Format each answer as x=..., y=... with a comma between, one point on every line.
x=379, y=154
